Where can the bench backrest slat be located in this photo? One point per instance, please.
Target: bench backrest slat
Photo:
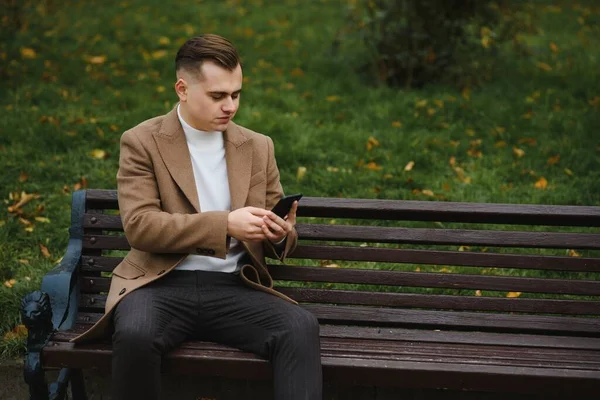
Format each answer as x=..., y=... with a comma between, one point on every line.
x=519, y=214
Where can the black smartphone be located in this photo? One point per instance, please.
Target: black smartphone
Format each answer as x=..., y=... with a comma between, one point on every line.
x=285, y=204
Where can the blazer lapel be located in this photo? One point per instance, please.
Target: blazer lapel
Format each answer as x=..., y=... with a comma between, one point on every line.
x=238, y=155
x=174, y=151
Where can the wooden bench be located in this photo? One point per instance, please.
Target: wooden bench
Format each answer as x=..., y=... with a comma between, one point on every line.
x=482, y=307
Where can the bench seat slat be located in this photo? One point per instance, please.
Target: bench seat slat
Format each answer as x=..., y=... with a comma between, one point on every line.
x=245, y=365
x=443, y=353
x=432, y=319
x=422, y=335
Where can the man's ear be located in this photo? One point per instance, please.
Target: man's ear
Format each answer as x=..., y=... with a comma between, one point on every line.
x=181, y=89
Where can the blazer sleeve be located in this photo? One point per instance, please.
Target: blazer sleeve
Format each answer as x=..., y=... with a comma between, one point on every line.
x=149, y=228
x=274, y=193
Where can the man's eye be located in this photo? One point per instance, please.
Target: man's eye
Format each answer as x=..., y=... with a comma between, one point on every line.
x=217, y=97
x=235, y=96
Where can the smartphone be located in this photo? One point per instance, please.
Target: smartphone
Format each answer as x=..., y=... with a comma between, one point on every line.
x=285, y=204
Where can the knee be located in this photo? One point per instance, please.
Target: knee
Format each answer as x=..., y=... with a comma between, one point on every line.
x=303, y=327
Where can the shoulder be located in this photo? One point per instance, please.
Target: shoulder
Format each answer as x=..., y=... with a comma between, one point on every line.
x=259, y=141
x=143, y=131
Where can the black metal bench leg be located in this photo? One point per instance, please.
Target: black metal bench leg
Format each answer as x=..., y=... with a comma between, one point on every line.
x=36, y=314
x=78, y=385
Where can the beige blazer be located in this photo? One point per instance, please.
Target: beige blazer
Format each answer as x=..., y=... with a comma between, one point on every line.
x=161, y=215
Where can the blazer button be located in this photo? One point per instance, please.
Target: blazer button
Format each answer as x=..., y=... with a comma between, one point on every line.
x=122, y=291
x=161, y=272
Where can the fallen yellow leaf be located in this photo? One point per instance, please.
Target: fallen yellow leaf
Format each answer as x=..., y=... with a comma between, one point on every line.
x=10, y=283
x=159, y=54
x=568, y=172
x=553, y=160
x=397, y=124
x=42, y=219
x=331, y=266
x=44, y=250
x=466, y=93
x=428, y=192
x=332, y=98
x=297, y=73
x=27, y=52
x=518, y=152
x=301, y=172
x=513, y=294
x=163, y=40
x=97, y=60
x=542, y=183
x=478, y=293
x=501, y=144
x=573, y=253
x=409, y=166
x=23, y=176
x=544, y=66
x=553, y=47
x=470, y=132
x=99, y=154
x=421, y=103
x=372, y=142
x=475, y=153
x=373, y=166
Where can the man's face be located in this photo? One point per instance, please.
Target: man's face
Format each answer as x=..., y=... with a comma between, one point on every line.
x=210, y=99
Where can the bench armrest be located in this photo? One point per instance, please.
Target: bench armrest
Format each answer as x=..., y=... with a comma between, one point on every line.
x=62, y=283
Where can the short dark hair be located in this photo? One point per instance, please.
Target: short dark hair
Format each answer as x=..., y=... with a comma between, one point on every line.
x=207, y=47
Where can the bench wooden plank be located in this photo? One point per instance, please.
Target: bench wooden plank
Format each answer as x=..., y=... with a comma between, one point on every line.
x=435, y=280
x=428, y=352
x=422, y=335
x=470, y=303
x=451, y=258
x=192, y=360
x=521, y=214
x=431, y=319
x=412, y=279
x=557, y=240
x=372, y=234
x=463, y=258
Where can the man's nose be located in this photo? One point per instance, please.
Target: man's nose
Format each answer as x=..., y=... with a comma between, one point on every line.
x=229, y=105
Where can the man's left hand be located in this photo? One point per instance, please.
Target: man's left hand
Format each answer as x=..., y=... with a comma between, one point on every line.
x=276, y=228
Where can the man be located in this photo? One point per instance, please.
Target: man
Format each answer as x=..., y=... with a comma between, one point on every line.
x=194, y=193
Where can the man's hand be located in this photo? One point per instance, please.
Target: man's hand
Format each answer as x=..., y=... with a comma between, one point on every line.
x=276, y=228
x=246, y=223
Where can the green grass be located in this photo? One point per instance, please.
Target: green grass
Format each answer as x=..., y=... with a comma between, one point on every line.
x=58, y=107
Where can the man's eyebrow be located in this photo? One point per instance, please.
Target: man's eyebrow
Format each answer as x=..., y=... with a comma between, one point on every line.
x=220, y=92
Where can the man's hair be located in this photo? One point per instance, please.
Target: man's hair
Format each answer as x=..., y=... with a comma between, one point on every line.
x=208, y=47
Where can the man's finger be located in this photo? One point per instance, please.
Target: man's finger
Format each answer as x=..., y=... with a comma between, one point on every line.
x=260, y=212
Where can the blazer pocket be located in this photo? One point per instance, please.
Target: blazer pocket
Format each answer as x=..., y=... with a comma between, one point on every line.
x=127, y=270
x=257, y=178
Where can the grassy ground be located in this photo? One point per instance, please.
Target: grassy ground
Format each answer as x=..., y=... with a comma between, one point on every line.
x=76, y=74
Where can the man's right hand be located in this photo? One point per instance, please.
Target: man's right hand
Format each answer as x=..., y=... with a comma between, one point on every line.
x=246, y=224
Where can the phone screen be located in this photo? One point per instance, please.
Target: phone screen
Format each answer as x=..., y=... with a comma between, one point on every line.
x=285, y=204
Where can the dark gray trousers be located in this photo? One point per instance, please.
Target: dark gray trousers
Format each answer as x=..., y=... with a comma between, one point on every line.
x=216, y=307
